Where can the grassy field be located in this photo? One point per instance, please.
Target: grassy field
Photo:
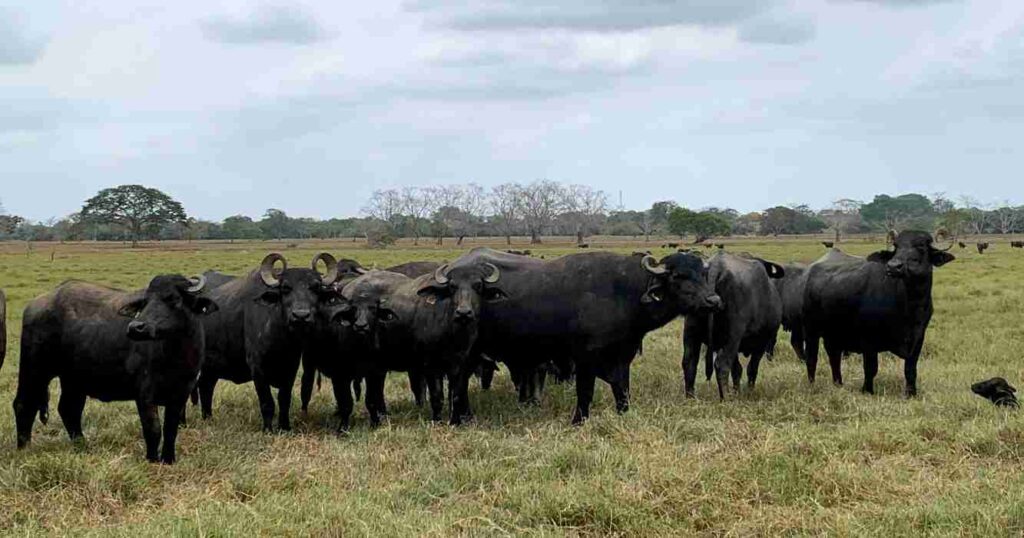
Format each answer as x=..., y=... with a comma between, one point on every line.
x=787, y=458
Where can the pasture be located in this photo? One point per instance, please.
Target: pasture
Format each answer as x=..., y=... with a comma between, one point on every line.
x=786, y=458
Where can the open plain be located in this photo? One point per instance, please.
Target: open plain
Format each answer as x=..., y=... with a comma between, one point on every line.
x=785, y=458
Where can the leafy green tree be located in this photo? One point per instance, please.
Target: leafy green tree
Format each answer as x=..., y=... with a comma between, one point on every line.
x=702, y=225
x=240, y=227
x=894, y=214
x=137, y=209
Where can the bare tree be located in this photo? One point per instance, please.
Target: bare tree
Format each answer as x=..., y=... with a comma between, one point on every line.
x=384, y=207
x=506, y=203
x=976, y=218
x=472, y=203
x=583, y=207
x=540, y=206
x=417, y=204
x=1006, y=217
x=446, y=200
x=842, y=216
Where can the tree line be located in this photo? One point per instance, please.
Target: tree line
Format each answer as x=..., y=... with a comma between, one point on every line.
x=542, y=208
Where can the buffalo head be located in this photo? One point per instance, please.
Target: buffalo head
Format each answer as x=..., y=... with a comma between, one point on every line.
x=913, y=256
x=465, y=286
x=298, y=292
x=167, y=307
x=997, y=390
x=679, y=280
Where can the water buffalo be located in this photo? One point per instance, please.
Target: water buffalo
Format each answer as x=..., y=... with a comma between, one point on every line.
x=426, y=324
x=996, y=390
x=1016, y=244
x=790, y=289
x=591, y=310
x=982, y=247
x=962, y=245
x=3, y=327
x=113, y=345
x=264, y=322
x=747, y=323
x=828, y=244
x=867, y=306
x=333, y=341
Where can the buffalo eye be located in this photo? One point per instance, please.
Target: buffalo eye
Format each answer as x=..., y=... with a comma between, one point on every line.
x=386, y=315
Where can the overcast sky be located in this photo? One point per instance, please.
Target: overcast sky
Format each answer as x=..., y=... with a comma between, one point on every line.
x=234, y=107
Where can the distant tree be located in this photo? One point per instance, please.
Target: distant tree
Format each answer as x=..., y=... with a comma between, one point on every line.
x=894, y=214
x=506, y=205
x=540, y=206
x=447, y=201
x=1006, y=218
x=240, y=227
x=417, y=204
x=705, y=224
x=976, y=217
x=658, y=215
x=583, y=208
x=138, y=210
x=276, y=224
x=747, y=224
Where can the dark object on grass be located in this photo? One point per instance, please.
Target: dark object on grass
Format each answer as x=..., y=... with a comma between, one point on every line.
x=1016, y=244
x=3, y=327
x=828, y=244
x=996, y=390
x=982, y=247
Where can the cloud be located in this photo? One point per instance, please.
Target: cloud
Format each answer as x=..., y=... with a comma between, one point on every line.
x=16, y=45
x=777, y=31
x=900, y=3
x=588, y=15
x=268, y=24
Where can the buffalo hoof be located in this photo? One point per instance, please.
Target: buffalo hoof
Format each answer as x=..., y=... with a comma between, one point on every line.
x=868, y=390
x=168, y=459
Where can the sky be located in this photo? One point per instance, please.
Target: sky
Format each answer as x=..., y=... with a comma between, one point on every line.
x=236, y=107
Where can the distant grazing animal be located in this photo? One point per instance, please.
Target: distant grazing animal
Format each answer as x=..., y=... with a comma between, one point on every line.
x=3, y=327
x=1016, y=244
x=747, y=323
x=868, y=306
x=113, y=345
x=828, y=244
x=720, y=245
x=590, y=310
x=982, y=247
x=265, y=321
x=708, y=245
x=670, y=245
x=997, y=390
x=962, y=244
x=583, y=245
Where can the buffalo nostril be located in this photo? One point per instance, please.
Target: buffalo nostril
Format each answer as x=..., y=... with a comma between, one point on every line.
x=300, y=314
x=464, y=313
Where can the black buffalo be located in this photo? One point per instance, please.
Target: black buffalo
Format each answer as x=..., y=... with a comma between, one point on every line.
x=962, y=244
x=1016, y=244
x=590, y=310
x=996, y=390
x=828, y=244
x=867, y=306
x=264, y=322
x=332, y=342
x=113, y=345
x=426, y=324
x=982, y=247
x=790, y=289
x=747, y=323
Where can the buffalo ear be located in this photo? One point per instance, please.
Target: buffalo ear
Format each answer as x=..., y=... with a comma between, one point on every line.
x=653, y=293
x=204, y=305
x=774, y=270
x=882, y=256
x=433, y=291
x=339, y=314
x=269, y=297
x=131, y=309
x=940, y=258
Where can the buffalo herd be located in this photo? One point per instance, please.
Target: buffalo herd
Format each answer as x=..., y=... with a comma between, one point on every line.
x=581, y=316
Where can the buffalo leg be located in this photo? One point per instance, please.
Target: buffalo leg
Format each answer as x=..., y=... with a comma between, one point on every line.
x=542, y=378
x=375, y=397
x=206, y=385
x=171, y=415
x=343, y=397
x=910, y=374
x=835, y=362
x=619, y=381
x=737, y=373
x=284, y=403
x=486, y=375
x=811, y=354
x=691, y=358
x=435, y=388
x=417, y=385
x=584, y=393
x=752, y=368
x=70, y=407
x=870, y=370
x=306, y=383
x=458, y=389
x=725, y=364
x=266, y=399
x=149, y=416
x=796, y=339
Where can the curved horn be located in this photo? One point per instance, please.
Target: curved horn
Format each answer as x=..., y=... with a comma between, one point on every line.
x=198, y=283
x=362, y=270
x=332, y=268
x=648, y=262
x=494, y=275
x=440, y=275
x=267, y=269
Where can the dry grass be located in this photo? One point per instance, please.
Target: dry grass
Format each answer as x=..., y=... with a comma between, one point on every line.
x=788, y=458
